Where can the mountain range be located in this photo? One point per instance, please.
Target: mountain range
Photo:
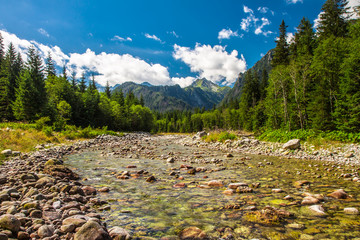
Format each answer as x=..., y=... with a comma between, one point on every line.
x=200, y=94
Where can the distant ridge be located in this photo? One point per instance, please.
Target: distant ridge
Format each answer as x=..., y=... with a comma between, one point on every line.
x=202, y=94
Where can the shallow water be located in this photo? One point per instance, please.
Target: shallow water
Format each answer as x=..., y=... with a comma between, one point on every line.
x=158, y=209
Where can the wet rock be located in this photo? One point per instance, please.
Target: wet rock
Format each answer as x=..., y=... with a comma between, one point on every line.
x=244, y=190
x=339, y=194
x=317, y=210
x=60, y=171
x=296, y=226
x=229, y=192
x=191, y=233
x=104, y=189
x=309, y=201
x=88, y=190
x=91, y=231
x=51, y=215
x=301, y=183
x=201, y=134
x=179, y=185
x=229, y=155
x=68, y=228
x=351, y=211
x=151, y=179
x=170, y=160
x=215, y=183
x=277, y=190
x=46, y=231
x=76, y=190
x=236, y=185
x=118, y=233
x=9, y=222
x=192, y=171
x=36, y=214
x=45, y=180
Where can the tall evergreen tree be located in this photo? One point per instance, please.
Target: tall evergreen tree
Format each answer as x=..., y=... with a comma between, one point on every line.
x=64, y=74
x=2, y=51
x=73, y=81
x=50, y=66
x=333, y=19
x=281, y=51
x=82, y=84
x=107, y=90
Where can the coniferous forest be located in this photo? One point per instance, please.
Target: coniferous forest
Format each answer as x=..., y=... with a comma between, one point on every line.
x=314, y=85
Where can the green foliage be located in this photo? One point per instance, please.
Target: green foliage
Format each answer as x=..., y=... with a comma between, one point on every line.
x=219, y=136
x=41, y=123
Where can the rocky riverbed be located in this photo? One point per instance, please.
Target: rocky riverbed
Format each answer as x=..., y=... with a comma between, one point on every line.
x=180, y=187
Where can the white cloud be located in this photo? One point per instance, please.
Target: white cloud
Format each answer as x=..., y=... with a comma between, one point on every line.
x=173, y=33
x=154, y=37
x=259, y=29
x=290, y=38
x=251, y=21
x=212, y=63
x=43, y=32
x=227, y=33
x=121, y=39
x=247, y=10
x=116, y=68
x=352, y=4
x=183, y=82
x=294, y=1
x=263, y=9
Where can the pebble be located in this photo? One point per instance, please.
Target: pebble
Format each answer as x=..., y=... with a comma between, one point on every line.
x=351, y=211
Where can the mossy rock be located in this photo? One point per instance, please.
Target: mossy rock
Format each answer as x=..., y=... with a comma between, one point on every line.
x=53, y=161
x=9, y=222
x=60, y=171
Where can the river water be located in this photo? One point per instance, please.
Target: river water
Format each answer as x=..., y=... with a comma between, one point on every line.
x=157, y=209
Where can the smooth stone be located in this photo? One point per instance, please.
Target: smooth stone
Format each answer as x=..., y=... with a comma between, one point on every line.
x=277, y=190
x=88, y=190
x=317, y=210
x=296, y=226
x=191, y=233
x=309, y=201
x=351, y=211
x=236, y=185
x=6, y=152
x=91, y=231
x=104, y=189
x=292, y=144
x=10, y=222
x=68, y=228
x=119, y=233
x=339, y=194
x=46, y=231
x=215, y=183
x=77, y=220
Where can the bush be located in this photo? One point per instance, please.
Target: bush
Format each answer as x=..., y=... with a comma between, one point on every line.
x=48, y=131
x=221, y=137
x=41, y=123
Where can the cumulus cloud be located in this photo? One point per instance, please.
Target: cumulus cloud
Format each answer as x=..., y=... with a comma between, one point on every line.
x=290, y=38
x=212, y=63
x=294, y=1
x=154, y=37
x=121, y=39
x=227, y=33
x=43, y=32
x=252, y=22
x=183, y=82
x=116, y=68
x=21, y=46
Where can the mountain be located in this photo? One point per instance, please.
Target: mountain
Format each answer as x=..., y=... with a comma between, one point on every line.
x=201, y=93
x=235, y=92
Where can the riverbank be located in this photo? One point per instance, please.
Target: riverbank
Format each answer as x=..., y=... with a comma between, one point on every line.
x=43, y=199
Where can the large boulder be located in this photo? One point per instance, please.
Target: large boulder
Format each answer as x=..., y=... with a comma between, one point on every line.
x=9, y=222
x=192, y=233
x=292, y=144
x=92, y=231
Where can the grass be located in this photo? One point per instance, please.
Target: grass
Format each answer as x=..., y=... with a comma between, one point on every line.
x=24, y=137
x=219, y=136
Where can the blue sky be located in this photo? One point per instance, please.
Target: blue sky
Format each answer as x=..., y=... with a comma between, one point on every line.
x=161, y=42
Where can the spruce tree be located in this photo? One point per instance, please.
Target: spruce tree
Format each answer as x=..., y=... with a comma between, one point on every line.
x=281, y=51
x=107, y=90
x=50, y=66
x=82, y=84
x=333, y=19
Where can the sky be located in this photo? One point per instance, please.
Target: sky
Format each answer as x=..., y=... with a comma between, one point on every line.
x=162, y=42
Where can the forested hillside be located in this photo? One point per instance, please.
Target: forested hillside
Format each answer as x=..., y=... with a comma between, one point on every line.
x=200, y=94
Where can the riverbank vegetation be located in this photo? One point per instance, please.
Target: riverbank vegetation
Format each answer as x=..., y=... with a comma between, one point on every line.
x=312, y=91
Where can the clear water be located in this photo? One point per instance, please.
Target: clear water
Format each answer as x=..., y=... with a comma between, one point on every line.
x=158, y=209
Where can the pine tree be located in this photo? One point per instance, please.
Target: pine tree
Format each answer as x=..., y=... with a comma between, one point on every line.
x=82, y=84
x=142, y=101
x=50, y=66
x=2, y=52
x=64, y=75
x=35, y=68
x=281, y=51
x=25, y=107
x=107, y=90
x=73, y=81
x=333, y=19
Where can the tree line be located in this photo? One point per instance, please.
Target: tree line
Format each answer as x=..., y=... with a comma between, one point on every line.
x=314, y=83
x=32, y=90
